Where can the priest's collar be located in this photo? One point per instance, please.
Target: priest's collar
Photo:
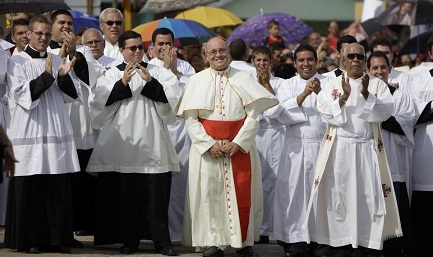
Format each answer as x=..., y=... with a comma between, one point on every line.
x=338, y=72
x=54, y=44
x=226, y=71
x=35, y=53
x=122, y=66
x=431, y=72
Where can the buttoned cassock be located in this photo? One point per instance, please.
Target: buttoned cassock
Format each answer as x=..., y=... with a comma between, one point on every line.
x=211, y=216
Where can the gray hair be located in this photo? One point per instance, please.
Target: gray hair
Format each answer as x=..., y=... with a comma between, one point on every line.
x=344, y=50
x=90, y=30
x=109, y=10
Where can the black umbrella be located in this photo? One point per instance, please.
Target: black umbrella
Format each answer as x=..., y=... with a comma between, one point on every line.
x=407, y=13
x=417, y=44
x=373, y=25
x=31, y=6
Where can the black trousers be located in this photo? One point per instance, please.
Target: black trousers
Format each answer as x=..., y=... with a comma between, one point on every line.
x=422, y=213
x=39, y=211
x=83, y=195
x=131, y=207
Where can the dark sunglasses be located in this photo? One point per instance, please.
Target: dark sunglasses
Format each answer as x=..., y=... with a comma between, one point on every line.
x=111, y=23
x=359, y=56
x=134, y=48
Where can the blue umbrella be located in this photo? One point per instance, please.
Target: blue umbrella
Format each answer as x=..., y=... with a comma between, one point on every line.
x=255, y=30
x=186, y=32
x=82, y=19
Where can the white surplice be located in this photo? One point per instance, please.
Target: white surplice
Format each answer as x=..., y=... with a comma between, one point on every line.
x=422, y=172
x=134, y=136
x=298, y=161
x=211, y=212
x=40, y=130
x=182, y=144
x=351, y=207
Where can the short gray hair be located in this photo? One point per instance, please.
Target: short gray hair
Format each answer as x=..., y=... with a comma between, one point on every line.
x=109, y=10
x=90, y=30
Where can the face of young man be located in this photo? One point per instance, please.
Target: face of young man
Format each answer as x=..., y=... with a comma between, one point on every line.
x=63, y=24
x=162, y=43
x=20, y=36
x=305, y=64
x=39, y=36
x=95, y=42
x=217, y=54
x=379, y=68
x=112, y=27
x=261, y=61
x=133, y=50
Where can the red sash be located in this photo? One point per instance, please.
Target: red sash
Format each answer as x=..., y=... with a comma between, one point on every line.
x=241, y=165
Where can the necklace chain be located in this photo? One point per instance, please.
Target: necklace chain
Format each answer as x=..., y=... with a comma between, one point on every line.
x=221, y=91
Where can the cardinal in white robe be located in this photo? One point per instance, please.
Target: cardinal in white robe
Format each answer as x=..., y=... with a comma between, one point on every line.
x=221, y=107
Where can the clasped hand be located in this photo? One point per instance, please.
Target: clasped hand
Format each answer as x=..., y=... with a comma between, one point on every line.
x=132, y=68
x=229, y=148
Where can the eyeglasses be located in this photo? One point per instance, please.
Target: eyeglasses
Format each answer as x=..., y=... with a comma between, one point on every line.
x=221, y=51
x=111, y=23
x=96, y=42
x=134, y=48
x=40, y=33
x=359, y=56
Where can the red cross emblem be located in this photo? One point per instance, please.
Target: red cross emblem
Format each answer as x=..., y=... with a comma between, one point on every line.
x=316, y=182
x=335, y=94
x=328, y=138
x=386, y=190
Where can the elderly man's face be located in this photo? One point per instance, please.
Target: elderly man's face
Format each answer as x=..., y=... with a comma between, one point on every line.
x=354, y=60
x=95, y=42
x=217, y=54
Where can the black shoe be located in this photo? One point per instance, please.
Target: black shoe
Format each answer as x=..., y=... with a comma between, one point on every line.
x=128, y=248
x=76, y=244
x=263, y=240
x=83, y=233
x=247, y=251
x=34, y=250
x=213, y=251
x=168, y=250
x=62, y=249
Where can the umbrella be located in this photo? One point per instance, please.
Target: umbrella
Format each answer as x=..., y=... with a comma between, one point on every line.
x=417, y=44
x=407, y=13
x=159, y=6
x=185, y=32
x=82, y=19
x=373, y=25
x=211, y=17
x=31, y=6
x=254, y=30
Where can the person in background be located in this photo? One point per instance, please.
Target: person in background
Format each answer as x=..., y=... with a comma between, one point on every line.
x=19, y=35
x=342, y=42
x=197, y=62
x=333, y=35
x=273, y=37
x=270, y=137
x=239, y=53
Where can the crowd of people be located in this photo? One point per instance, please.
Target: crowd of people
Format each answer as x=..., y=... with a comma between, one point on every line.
x=322, y=145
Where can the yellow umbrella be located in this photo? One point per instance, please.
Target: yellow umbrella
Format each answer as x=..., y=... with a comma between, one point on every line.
x=211, y=17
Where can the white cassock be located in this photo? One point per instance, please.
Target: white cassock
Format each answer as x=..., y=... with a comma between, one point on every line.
x=298, y=161
x=40, y=127
x=134, y=136
x=182, y=144
x=113, y=51
x=422, y=175
x=355, y=200
x=4, y=119
x=420, y=69
x=244, y=66
x=269, y=143
x=212, y=215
